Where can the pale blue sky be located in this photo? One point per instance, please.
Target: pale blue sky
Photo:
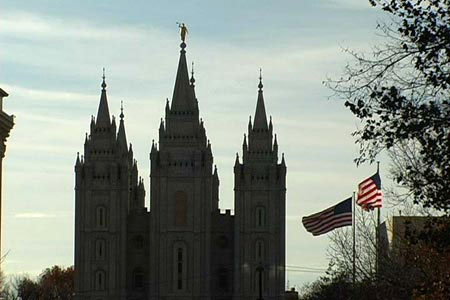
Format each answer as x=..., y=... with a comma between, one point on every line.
x=51, y=58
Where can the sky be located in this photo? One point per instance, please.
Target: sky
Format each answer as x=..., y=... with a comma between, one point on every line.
x=51, y=62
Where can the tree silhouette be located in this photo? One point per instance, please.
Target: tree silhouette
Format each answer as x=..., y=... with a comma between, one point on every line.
x=401, y=94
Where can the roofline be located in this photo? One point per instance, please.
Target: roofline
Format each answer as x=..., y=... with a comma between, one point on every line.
x=3, y=93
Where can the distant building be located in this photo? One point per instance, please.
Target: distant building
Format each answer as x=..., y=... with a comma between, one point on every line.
x=395, y=232
x=183, y=247
x=412, y=255
x=6, y=124
x=292, y=294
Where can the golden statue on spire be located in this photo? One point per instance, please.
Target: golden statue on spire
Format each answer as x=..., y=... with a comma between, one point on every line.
x=183, y=31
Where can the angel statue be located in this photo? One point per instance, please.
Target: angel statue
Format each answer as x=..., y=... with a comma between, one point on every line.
x=183, y=31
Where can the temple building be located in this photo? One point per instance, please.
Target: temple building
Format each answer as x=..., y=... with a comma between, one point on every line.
x=182, y=246
x=6, y=124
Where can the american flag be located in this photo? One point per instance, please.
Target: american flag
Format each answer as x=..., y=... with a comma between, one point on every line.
x=331, y=218
x=370, y=195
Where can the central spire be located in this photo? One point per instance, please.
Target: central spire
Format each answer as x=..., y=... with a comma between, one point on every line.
x=260, y=114
x=183, y=99
x=103, y=118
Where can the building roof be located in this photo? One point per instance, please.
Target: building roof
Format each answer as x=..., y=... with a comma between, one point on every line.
x=3, y=93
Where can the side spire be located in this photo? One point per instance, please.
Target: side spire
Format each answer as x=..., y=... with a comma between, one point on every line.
x=103, y=118
x=121, y=136
x=260, y=121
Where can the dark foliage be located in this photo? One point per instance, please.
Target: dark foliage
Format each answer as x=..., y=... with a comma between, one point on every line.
x=329, y=287
x=54, y=283
x=402, y=96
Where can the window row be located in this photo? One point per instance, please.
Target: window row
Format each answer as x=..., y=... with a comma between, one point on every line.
x=100, y=282
x=100, y=246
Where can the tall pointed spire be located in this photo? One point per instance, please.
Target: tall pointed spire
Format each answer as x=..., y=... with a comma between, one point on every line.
x=78, y=162
x=121, y=136
x=183, y=97
x=260, y=121
x=103, y=118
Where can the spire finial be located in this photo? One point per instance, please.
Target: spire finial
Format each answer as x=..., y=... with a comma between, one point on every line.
x=260, y=85
x=104, y=82
x=121, y=110
x=192, y=80
x=183, y=33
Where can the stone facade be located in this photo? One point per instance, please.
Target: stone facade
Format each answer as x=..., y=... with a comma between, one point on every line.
x=6, y=124
x=183, y=247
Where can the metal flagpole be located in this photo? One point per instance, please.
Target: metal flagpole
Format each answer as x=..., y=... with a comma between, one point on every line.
x=354, y=242
x=377, y=266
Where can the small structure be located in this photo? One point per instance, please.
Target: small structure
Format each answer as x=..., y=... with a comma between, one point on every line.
x=292, y=294
x=6, y=124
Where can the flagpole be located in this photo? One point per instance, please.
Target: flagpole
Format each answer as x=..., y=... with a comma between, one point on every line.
x=377, y=266
x=354, y=242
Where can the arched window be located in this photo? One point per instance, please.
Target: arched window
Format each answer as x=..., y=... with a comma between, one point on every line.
x=179, y=266
x=100, y=280
x=259, y=251
x=101, y=217
x=100, y=249
x=256, y=284
x=180, y=208
x=260, y=217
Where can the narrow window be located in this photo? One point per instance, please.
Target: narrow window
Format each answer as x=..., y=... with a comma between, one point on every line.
x=101, y=217
x=256, y=280
x=260, y=217
x=100, y=280
x=180, y=268
x=100, y=249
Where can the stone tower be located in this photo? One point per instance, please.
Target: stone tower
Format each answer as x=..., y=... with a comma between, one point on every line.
x=260, y=210
x=107, y=190
x=184, y=191
x=6, y=124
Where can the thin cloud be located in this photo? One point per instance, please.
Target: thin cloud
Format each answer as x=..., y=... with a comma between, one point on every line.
x=48, y=95
x=34, y=215
x=35, y=27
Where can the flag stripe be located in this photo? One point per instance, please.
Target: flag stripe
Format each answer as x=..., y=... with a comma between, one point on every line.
x=319, y=219
x=333, y=217
x=317, y=214
x=331, y=221
x=334, y=226
x=369, y=193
